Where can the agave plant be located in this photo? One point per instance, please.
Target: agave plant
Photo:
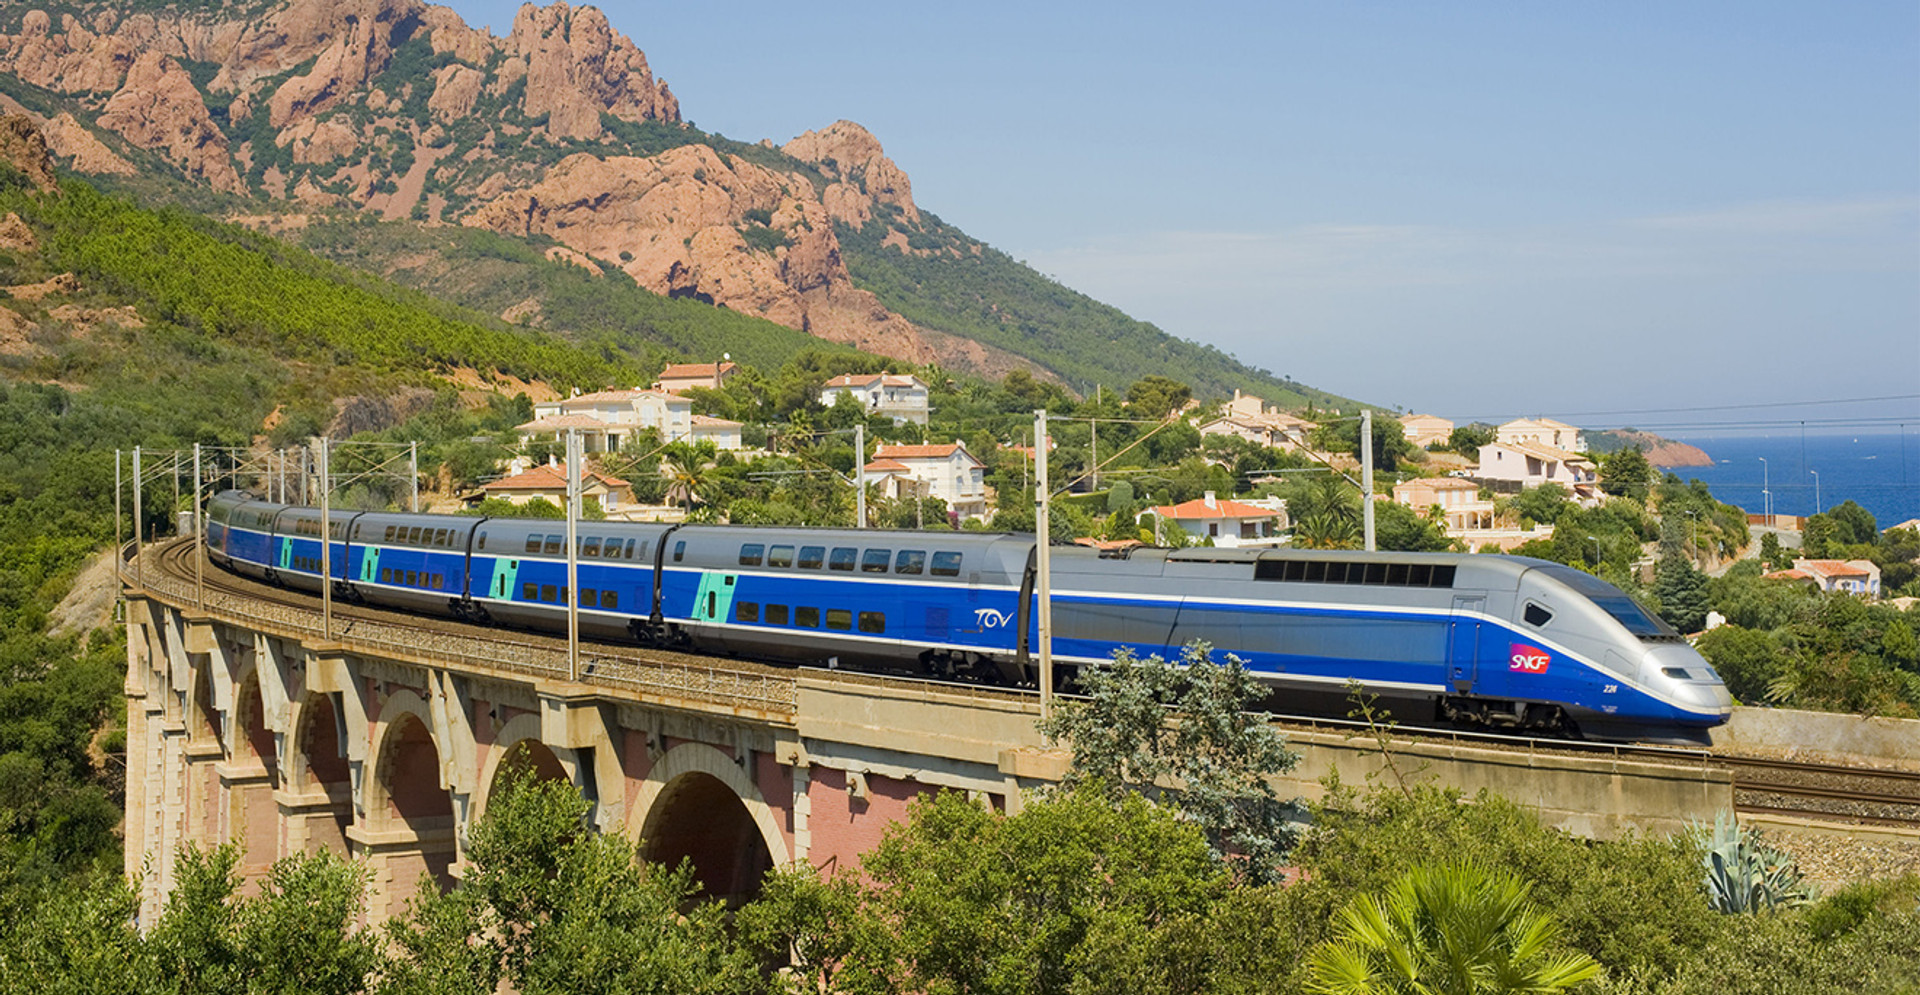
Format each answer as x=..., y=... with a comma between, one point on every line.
x=1746, y=875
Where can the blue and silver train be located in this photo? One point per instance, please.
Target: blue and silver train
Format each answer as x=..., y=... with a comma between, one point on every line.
x=1499, y=641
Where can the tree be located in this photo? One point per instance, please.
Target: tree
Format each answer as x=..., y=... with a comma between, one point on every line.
x=1325, y=512
x=551, y=906
x=1682, y=591
x=1147, y=722
x=1155, y=396
x=1449, y=929
x=1626, y=473
x=1771, y=554
x=1398, y=527
x=1074, y=890
x=1748, y=661
x=1819, y=536
x=1467, y=439
x=686, y=467
x=1544, y=503
x=1853, y=524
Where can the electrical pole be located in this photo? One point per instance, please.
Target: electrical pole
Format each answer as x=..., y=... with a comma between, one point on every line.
x=139, y=534
x=413, y=475
x=326, y=544
x=199, y=537
x=118, y=580
x=860, y=476
x=1366, y=474
x=573, y=554
x=1043, y=540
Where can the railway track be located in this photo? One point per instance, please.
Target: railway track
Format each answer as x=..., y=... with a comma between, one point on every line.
x=1827, y=793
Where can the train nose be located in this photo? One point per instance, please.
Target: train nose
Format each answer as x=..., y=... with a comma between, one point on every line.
x=1689, y=678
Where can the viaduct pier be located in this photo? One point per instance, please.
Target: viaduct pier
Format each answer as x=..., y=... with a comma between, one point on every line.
x=381, y=736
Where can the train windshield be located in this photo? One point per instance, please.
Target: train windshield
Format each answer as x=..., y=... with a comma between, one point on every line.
x=1613, y=601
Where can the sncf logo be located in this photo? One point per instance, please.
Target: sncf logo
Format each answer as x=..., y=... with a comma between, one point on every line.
x=1527, y=659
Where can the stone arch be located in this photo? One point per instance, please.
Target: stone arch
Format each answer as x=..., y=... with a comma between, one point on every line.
x=696, y=803
x=205, y=724
x=251, y=778
x=410, y=814
x=320, y=780
x=518, y=744
x=253, y=740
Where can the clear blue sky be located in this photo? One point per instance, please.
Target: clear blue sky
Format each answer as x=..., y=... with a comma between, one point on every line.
x=1475, y=209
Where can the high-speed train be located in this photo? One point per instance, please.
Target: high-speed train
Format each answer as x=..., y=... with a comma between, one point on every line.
x=1500, y=641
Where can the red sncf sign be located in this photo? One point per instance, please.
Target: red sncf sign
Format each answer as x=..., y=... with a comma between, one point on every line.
x=1526, y=659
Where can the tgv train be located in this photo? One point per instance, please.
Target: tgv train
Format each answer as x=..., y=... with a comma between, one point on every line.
x=1500, y=641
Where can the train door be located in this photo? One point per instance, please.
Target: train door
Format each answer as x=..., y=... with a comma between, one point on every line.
x=714, y=600
x=1463, y=641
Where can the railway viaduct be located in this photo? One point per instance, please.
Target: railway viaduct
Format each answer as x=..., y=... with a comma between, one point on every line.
x=249, y=722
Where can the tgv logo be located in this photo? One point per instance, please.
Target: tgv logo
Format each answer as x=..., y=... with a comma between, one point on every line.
x=1527, y=659
x=990, y=618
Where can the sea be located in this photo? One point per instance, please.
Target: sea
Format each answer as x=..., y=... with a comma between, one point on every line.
x=1806, y=474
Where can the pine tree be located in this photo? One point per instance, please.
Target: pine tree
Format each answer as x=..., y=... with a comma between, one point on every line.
x=1682, y=591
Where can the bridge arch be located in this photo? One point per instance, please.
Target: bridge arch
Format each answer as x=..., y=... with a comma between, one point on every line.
x=251, y=777
x=696, y=803
x=517, y=746
x=410, y=818
x=319, y=803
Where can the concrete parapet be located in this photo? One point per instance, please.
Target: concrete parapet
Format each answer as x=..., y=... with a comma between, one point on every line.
x=1824, y=736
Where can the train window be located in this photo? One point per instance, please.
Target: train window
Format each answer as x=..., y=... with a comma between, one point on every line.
x=413, y=578
x=873, y=622
x=548, y=592
x=389, y=535
x=589, y=598
x=842, y=558
x=910, y=561
x=590, y=547
x=679, y=551
x=533, y=544
x=946, y=564
x=609, y=599
x=613, y=548
x=776, y=614
x=386, y=575
x=1316, y=571
x=413, y=535
x=630, y=542
x=746, y=611
x=840, y=619
x=806, y=617
x=443, y=537
x=1536, y=615
x=480, y=541
x=529, y=592
x=1376, y=573
x=1397, y=574
x=780, y=556
x=751, y=553
x=552, y=545
x=1420, y=575
x=875, y=561
x=439, y=582
x=1675, y=672
x=812, y=556
x=1443, y=575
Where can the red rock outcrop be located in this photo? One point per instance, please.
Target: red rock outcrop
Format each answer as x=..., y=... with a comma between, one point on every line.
x=159, y=108
x=850, y=154
x=70, y=140
x=579, y=67
x=25, y=149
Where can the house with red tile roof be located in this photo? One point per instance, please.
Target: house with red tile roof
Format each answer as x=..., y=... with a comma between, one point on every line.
x=1226, y=522
x=550, y=482
x=948, y=472
x=608, y=418
x=903, y=398
x=1860, y=577
x=678, y=377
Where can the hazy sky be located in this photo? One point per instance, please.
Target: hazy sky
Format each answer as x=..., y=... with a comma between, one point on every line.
x=1479, y=210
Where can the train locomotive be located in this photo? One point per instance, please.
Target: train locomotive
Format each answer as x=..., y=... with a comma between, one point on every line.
x=1495, y=641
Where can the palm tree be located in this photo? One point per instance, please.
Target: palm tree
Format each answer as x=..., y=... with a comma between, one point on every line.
x=1450, y=929
x=1326, y=516
x=685, y=465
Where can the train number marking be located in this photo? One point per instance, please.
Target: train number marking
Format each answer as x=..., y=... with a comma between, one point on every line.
x=991, y=618
x=1526, y=659
x=1610, y=689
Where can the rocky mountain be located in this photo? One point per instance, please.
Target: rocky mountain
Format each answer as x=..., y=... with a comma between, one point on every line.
x=558, y=133
x=1661, y=452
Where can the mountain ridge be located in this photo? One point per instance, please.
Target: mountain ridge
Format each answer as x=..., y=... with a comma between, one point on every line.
x=559, y=131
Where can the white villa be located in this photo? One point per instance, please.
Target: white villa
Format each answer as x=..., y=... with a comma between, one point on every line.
x=902, y=398
x=947, y=472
